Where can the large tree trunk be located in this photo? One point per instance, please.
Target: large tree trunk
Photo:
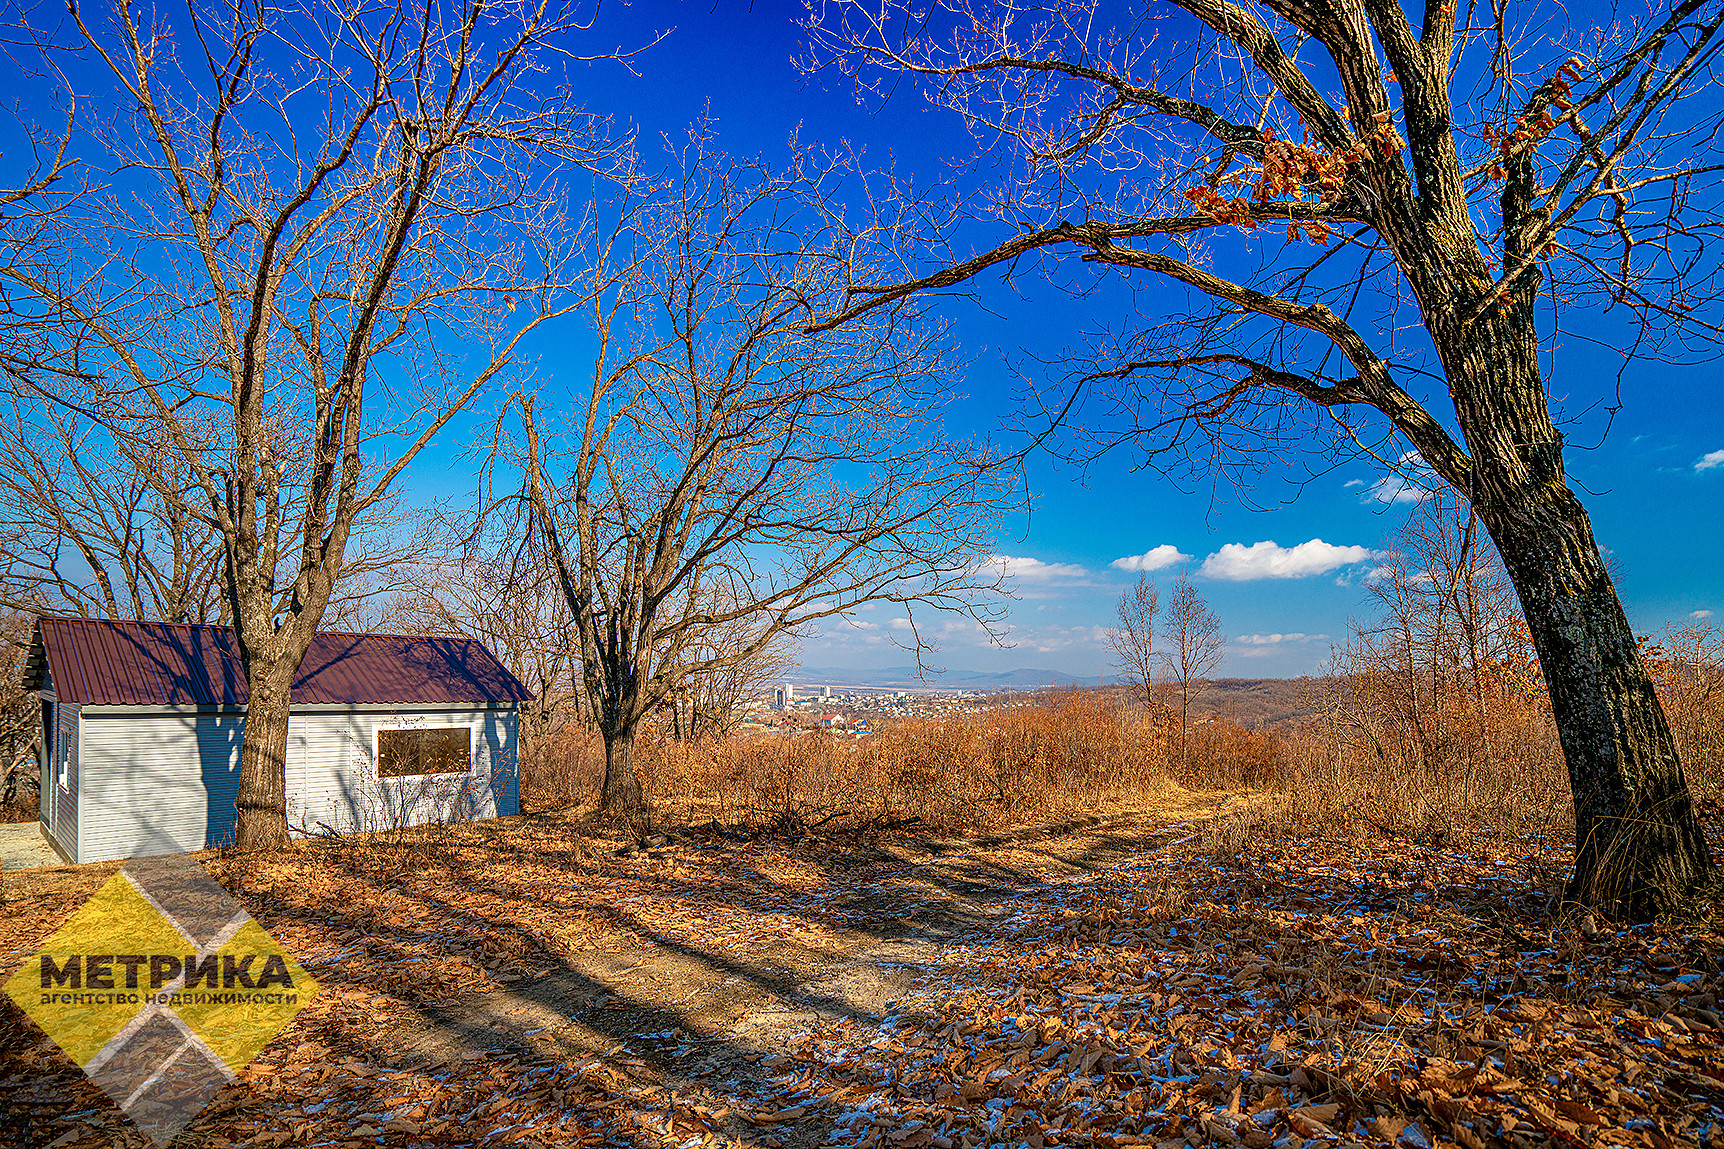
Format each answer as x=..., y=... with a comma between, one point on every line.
x=1638, y=845
x=622, y=791
x=261, y=821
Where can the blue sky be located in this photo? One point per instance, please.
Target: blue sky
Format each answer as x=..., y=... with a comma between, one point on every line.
x=1284, y=580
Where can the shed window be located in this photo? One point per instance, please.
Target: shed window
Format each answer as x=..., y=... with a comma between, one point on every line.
x=436, y=750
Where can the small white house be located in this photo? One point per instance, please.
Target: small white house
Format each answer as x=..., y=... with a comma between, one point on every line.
x=141, y=731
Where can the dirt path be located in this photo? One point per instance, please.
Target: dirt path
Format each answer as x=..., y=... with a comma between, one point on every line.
x=703, y=1022
x=22, y=847
x=524, y=982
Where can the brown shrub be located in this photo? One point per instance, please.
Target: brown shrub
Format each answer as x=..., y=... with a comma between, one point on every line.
x=1072, y=752
x=1229, y=757
x=561, y=770
x=1431, y=761
x=1687, y=663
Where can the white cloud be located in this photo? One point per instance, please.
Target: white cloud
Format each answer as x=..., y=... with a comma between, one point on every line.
x=1708, y=461
x=1240, y=563
x=1034, y=570
x=1052, y=639
x=1153, y=559
x=1387, y=572
x=1395, y=489
x=1700, y=615
x=1261, y=645
x=1412, y=482
x=1353, y=483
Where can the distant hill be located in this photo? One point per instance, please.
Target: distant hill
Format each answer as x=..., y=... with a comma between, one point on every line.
x=906, y=676
x=1255, y=702
x=1250, y=702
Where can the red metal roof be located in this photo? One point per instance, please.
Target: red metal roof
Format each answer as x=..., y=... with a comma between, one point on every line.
x=97, y=662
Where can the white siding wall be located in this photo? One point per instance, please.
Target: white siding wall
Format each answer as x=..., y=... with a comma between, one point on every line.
x=65, y=795
x=333, y=782
x=159, y=783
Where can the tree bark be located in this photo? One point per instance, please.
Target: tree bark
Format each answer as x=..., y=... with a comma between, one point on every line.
x=261, y=817
x=1185, y=725
x=1638, y=846
x=622, y=796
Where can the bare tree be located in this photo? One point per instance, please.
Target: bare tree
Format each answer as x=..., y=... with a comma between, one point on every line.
x=99, y=529
x=1133, y=640
x=20, y=720
x=1192, y=635
x=1437, y=668
x=105, y=526
x=1425, y=192
x=724, y=468
x=518, y=612
x=344, y=221
x=33, y=192
x=709, y=702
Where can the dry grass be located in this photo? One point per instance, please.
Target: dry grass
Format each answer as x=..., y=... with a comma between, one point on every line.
x=1085, y=752
x=1463, y=798
x=1075, y=753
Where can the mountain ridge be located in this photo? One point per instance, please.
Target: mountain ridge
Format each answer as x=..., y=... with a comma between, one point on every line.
x=907, y=676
